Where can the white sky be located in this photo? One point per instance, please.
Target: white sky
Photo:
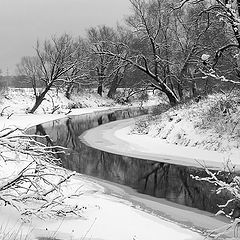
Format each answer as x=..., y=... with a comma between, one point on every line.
x=22, y=22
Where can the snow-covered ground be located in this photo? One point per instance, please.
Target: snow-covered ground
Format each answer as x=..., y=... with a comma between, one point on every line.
x=210, y=124
x=104, y=216
x=20, y=100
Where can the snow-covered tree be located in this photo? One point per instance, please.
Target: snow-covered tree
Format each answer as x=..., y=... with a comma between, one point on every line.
x=54, y=60
x=222, y=63
x=100, y=39
x=150, y=50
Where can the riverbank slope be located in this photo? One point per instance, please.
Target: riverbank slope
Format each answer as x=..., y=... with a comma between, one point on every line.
x=212, y=123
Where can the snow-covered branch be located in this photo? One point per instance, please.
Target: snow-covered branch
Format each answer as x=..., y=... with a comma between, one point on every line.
x=31, y=179
x=226, y=182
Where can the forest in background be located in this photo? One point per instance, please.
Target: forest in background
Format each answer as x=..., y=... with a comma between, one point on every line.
x=183, y=49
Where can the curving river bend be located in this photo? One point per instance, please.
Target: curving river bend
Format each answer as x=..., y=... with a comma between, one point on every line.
x=159, y=179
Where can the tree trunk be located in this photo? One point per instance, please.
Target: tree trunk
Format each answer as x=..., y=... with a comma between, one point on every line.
x=69, y=90
x=39, y=99
x=100, y=83
x=171, y=84
x=194, y=88
x=180, y=91
x=173, y=100
x=113, y=87
x=112, y=91
x=100, y=89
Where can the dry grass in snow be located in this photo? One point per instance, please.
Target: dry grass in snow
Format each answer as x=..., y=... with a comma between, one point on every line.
x=213, y=123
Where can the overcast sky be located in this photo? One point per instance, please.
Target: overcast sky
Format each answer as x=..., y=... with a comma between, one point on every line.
x=22, y=22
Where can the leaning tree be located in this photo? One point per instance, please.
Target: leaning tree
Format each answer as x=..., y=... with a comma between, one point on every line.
x=148, y=51
x=49, y=67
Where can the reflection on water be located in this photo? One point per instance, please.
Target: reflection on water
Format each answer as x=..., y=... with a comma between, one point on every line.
x=158, y=179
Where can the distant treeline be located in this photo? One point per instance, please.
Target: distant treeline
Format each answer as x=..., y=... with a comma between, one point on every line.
x=14, y=81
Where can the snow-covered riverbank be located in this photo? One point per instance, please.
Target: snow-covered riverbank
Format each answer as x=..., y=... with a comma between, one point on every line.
x=211, y=123
x=115, y=137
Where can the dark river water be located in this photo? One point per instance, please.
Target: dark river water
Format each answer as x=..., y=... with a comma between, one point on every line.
x=158, y=179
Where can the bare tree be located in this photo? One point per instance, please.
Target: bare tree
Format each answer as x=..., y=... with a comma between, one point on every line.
x=78, y=75
x=147, y=24
x=150, y=22
x=194, y=32
x=119, y=68
x=167, y=44
x=53, y=60
x=29, y=66
x=223, y=63
x=99, y=41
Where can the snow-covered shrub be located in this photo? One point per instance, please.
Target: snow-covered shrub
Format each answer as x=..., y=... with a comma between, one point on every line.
x=4, y=93
x=222, y=113
x=126, y=95
x=74, y=105
x=141, y=127
x=143, y=97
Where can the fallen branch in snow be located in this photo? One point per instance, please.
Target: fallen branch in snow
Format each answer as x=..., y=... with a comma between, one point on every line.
x=1, y=114
x=31, y=179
